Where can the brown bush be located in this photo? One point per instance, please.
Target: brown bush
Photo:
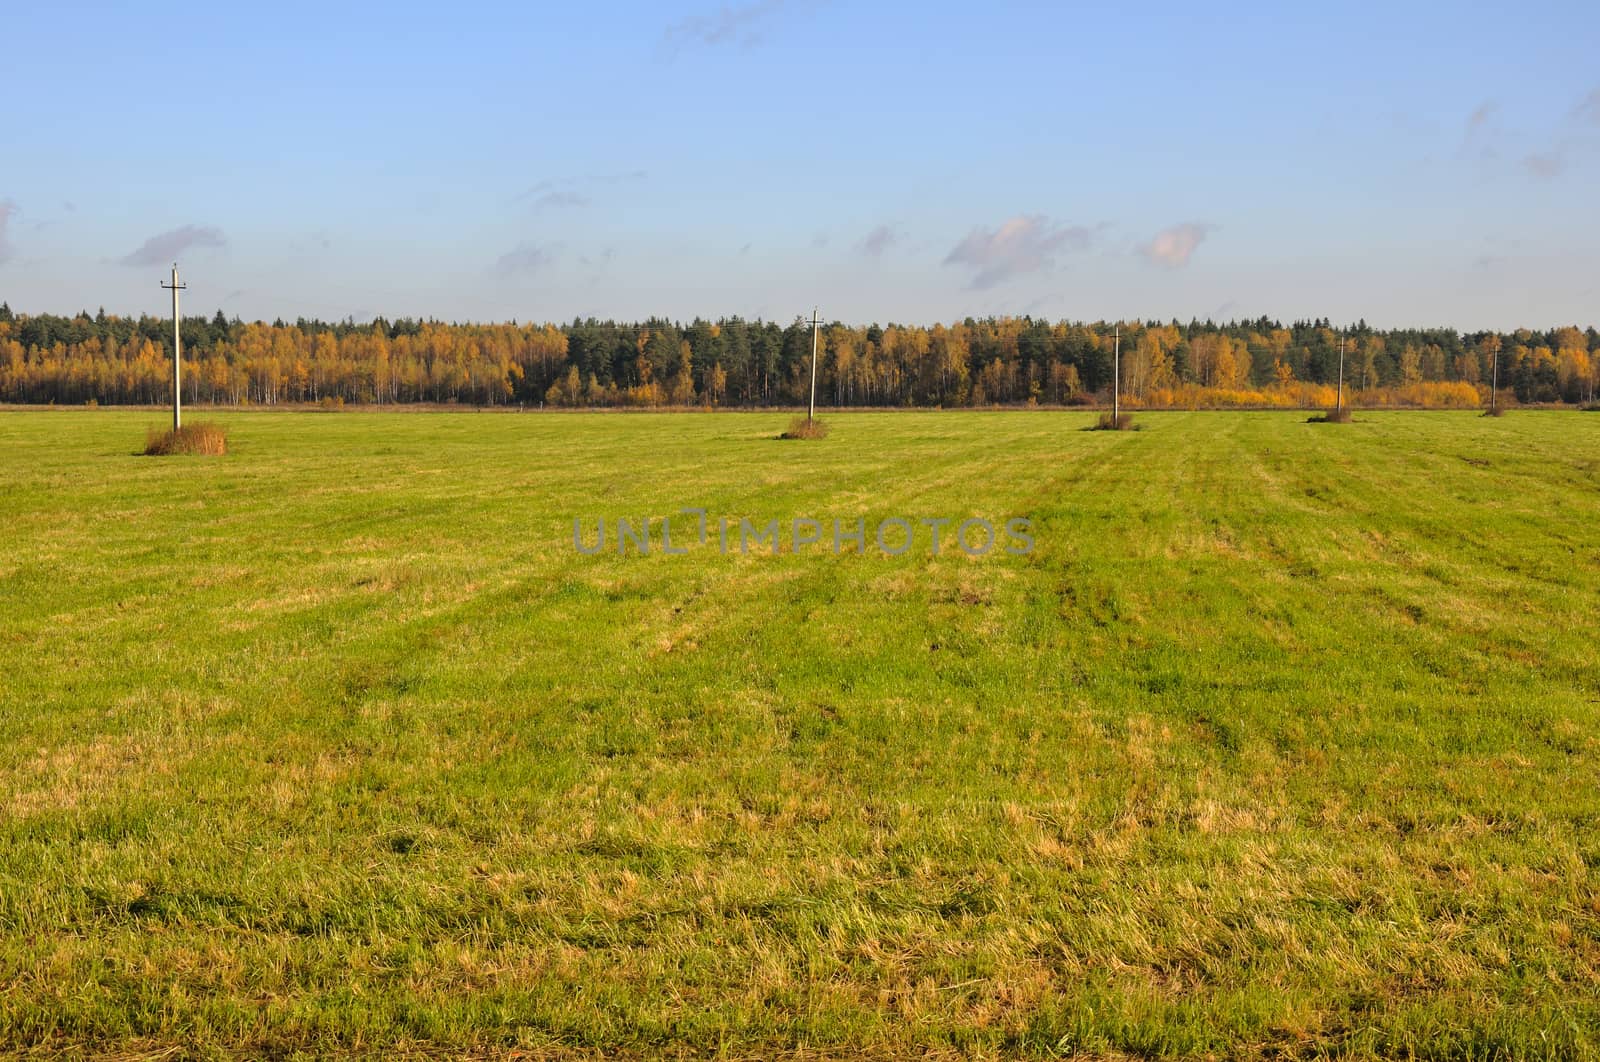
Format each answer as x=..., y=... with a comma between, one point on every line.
x=1115, y=422
x=1333, y=416
x=805, y=428
x=200, y=437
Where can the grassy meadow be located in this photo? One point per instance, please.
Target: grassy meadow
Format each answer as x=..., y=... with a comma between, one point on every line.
x=1283, y=742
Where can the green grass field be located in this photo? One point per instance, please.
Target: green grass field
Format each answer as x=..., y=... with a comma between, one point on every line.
x=1283, y=742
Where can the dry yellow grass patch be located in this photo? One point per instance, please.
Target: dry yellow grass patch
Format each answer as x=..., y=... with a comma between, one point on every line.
x=200, y=438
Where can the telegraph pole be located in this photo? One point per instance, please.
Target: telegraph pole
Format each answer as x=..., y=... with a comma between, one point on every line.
x=811, y=410
x=1494, y=378
x=1116, y=373
x=1338, y=405
x=177, y=351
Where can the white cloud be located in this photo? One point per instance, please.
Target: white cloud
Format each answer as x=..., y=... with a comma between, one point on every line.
x=1027, y=243
x=1173, y=247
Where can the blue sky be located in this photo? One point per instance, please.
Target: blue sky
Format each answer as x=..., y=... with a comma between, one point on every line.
x=1428, y=164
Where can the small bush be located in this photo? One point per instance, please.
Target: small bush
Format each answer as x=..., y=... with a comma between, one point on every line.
x=332, y=402
x=1495, y=411
x=200, y=437
x=1115, y=422
x=1592, y=407
x=1341, y=415
x=805, y=428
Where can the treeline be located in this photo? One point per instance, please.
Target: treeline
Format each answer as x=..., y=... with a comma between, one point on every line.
x=732, y=362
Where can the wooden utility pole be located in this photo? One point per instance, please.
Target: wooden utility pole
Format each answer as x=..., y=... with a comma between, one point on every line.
x=1338, y=405
x=177, y=351
x=1116, y=374
x=811, y=410
x=1494, y=376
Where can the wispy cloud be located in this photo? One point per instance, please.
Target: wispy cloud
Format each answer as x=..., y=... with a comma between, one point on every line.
x=736, y=24
x=1478, y=137
x=879, y=240
x=1042, y=303
x=8, y=210
x=615, y=178
x=168, y=246
x=1544, y=163
x=1544, y=151
x=560, y=200
x=1487, y=141
x=311, y=243
x=1174, y=247
x=1588, y=111
x=1027, y=243
x=525, y=258
x=558, y=193
x=1569, y=142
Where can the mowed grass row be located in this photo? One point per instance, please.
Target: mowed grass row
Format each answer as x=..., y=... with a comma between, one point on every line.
x=1282, y=741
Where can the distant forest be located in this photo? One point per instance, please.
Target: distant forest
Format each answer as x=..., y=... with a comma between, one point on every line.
x=736, y=363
